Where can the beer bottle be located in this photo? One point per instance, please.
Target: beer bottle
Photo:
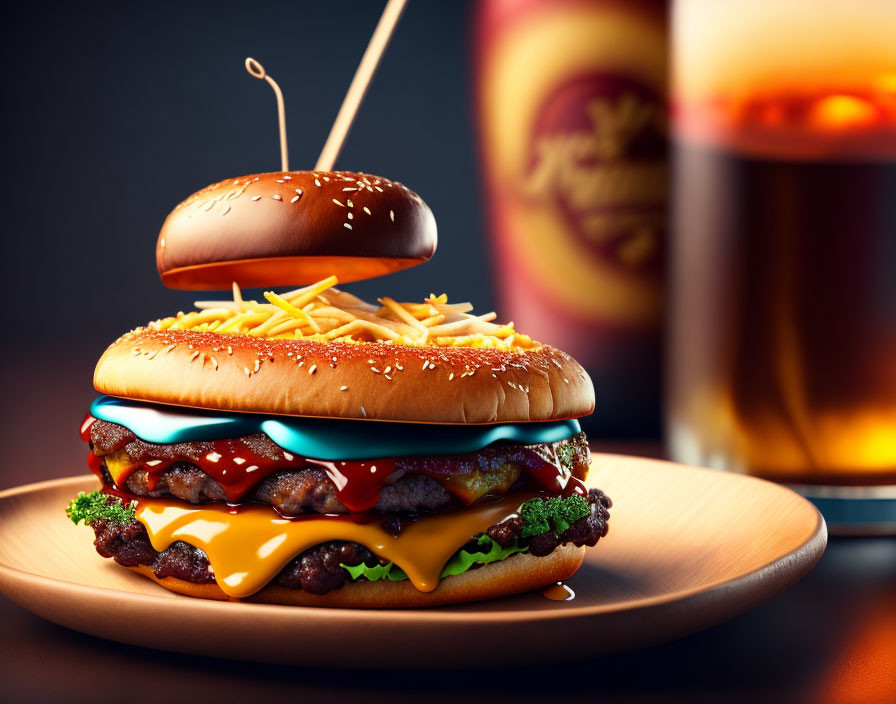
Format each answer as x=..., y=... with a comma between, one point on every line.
x=571, y=99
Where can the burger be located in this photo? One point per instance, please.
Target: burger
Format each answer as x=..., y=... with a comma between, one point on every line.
x=311, y=448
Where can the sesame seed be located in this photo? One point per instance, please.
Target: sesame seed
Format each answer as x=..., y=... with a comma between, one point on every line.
x=347, y=190
x=312, y=369
x=226, y=210
x=367, y=210
x=343, y=388
x=375, y=370
x=256, y=197
x=425, y=363
x=246, y=369
x=316, y=182
x=388, y=377
x=363, y=412
x=341, y=205
x=349, y=202
x=277, y=197
x=346, y=226
x=392, y=215
x=294, y=199
x=350, y=216
x=229, y=349
x=257, y=364
x=565, y=380
x=387, y=370
x=215, y=363
x=450, y=376
x=279, y=180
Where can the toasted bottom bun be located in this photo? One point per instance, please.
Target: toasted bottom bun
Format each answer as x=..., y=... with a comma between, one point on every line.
x=519, y=573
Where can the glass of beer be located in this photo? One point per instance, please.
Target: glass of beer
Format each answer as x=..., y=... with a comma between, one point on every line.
x=782, y=344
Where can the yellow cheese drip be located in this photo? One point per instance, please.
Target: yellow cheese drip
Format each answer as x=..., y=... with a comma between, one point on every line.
x=249, y=547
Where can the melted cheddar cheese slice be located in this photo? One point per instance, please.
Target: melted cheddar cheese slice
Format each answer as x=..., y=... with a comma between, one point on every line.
x=248, y=547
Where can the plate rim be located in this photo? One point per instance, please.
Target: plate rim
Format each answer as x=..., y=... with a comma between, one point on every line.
x=807, y=553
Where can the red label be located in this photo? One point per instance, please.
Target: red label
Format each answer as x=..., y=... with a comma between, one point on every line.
x=598, y=152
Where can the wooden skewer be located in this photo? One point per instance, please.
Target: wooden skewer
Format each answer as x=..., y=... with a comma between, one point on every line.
x=358, y=88
x=257, y=70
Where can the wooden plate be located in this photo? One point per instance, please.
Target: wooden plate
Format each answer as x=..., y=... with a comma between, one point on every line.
x=687, y=548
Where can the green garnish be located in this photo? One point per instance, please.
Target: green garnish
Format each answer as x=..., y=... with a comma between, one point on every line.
x=541, y=515
x=99, y=506
x=459, y=563
x=389, y=571
x=491, y=552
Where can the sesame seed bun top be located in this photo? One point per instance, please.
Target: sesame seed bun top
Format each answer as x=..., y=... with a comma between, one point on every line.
x=372, y=380
x=293, y=228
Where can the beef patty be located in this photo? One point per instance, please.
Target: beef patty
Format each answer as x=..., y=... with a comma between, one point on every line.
x=413, y=486
x=318, y=570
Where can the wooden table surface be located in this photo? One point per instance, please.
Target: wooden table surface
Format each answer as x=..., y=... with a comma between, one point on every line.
x=831, y=638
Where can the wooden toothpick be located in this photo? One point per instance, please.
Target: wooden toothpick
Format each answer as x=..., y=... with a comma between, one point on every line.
x=360, y=83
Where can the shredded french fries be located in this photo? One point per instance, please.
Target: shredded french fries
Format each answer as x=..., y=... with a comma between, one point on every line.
x=322, y=313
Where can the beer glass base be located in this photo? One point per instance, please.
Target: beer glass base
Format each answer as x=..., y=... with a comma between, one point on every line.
x=853, y=510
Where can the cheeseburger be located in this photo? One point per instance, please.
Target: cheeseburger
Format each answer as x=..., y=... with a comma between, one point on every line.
x=312, y=448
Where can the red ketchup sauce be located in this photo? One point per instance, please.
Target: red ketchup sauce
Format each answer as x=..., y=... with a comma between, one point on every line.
x=358, y=483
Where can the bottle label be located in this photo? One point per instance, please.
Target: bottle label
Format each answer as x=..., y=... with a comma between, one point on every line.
x=572, y=102
x=598, y=155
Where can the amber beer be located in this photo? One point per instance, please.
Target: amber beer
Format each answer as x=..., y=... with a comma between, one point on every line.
x=571, y=99
x=783, y=345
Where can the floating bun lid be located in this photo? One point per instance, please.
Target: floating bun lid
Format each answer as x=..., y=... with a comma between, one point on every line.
x=294, y=228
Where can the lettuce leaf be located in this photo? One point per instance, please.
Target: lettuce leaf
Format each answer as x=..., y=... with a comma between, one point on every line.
x=389, y=571
x=459, y=563
x=492, y=552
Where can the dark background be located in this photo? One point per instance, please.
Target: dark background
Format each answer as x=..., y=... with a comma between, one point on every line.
x=115, y=112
